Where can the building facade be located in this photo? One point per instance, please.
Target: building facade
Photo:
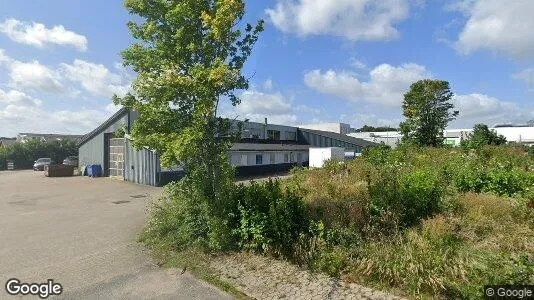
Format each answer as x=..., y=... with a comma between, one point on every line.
x=453, y=137
x=263, y=148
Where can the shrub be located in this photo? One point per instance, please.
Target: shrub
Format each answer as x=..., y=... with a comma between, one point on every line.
x=270, y=219
x=180, y=220
x=409, y=197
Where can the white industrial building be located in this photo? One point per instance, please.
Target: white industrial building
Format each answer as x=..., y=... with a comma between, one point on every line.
x=523, y=134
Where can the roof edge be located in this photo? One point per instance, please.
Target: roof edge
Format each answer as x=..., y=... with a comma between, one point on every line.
x=105, y=124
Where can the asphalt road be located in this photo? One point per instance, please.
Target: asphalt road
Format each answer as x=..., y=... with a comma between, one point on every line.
x=82, y=233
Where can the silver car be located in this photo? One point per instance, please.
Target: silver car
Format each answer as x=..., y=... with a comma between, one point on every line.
x=41, y=163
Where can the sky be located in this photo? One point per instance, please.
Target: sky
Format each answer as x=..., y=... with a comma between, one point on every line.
x=317, y=61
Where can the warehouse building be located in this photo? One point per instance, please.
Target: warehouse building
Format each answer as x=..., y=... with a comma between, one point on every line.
x=264, y=148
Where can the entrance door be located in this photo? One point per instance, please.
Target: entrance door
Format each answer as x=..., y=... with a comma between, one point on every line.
x=116, y=158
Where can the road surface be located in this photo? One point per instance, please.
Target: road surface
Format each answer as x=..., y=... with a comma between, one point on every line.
x=82, y=233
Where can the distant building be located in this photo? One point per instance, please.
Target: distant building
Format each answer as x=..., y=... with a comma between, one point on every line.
x=263, y=148
x=4, y=141
x=340, y=128
x=522, y=134
x=46, y=137
x=390, y=138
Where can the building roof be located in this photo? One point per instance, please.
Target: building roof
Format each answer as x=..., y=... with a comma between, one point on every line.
x=339, y=137
x=119, y=114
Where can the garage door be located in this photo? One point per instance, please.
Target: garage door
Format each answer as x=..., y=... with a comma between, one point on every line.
x=116, y=158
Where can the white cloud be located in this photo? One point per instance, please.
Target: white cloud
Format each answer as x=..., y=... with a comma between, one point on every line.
x=480, y=108
x=527, y=76
x=385, y=87
x=16, y=118
x=257, y=105
x=38, y=35
x=95, y=78
x=18, y=98
x=498, y=26
x=3, y=57
x=268, y=84
x=354, y=20
x=33, y=75
x=358, y=64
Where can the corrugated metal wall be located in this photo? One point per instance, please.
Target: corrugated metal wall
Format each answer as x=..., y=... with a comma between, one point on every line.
x=140, y=166
x=316, y=140
x=92, y=152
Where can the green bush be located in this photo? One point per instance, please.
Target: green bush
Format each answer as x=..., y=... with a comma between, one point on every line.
x=410, y=197
x=270, y=219
x=180, y=220
x=504, y=181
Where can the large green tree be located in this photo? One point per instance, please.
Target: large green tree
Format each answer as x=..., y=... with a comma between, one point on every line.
x=481, y=136
x=428, y=109
x=189, y=56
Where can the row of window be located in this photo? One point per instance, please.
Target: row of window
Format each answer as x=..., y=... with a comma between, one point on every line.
x=269, y=158
x=272, y=135
x=321, y=141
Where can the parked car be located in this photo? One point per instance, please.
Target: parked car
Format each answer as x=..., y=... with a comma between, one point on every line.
x=71, y=161
x=41, y=163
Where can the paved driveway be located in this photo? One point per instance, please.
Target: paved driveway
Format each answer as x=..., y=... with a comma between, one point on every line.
x=82, y=233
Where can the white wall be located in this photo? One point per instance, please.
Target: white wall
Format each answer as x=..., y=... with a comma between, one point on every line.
x=318, y=156
x=279, y=157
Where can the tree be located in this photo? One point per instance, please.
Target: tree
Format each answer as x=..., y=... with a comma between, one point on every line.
x=481, y=136
x=189, y=57
x=428, y=109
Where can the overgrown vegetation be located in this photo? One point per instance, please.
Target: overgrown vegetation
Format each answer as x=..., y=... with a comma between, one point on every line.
x=24, y=154
x=427, y=221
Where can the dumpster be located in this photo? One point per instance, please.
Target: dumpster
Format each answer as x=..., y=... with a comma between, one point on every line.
x=94, y=170
x=58, y=170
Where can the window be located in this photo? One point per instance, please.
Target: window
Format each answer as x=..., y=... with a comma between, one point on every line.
x=271, y=158
x=291, y=136
x=286, y=157
x=244, y=159
x=273, y=135
x=259, y=159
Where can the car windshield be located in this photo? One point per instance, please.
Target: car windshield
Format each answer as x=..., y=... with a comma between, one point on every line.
x=43, y=160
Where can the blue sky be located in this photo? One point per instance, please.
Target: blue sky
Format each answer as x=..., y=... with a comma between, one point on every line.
x=317, y=61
